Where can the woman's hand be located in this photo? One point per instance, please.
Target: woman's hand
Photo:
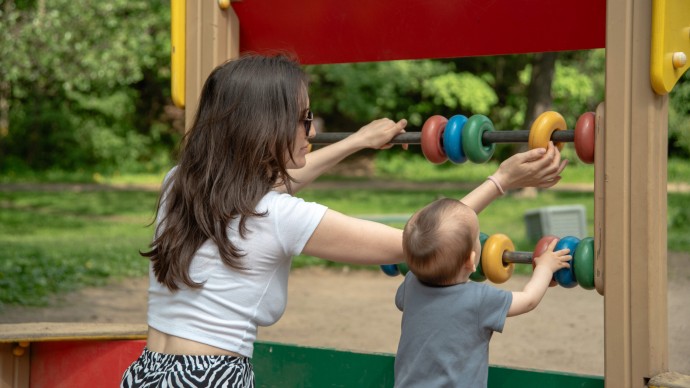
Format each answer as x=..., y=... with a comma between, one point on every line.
x=534, y=168
x=378, y=134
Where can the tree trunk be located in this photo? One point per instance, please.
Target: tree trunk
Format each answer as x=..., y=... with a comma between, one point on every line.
x=5, y=85
x=4, y=108
x=539, y=93
x=539, y=98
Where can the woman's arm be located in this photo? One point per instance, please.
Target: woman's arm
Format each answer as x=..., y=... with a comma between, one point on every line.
x=351, y=240
x=374, y=135
x=533, y=168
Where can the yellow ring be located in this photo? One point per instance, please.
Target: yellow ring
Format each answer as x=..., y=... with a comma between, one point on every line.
x=542, y=128
x=492, y=258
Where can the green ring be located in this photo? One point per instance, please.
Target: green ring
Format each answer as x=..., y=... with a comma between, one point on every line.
x=478, y=274
x=583, y=262
x=472, y=144
x=402, y=267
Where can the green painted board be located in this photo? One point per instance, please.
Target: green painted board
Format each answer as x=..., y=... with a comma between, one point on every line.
x=280, y=365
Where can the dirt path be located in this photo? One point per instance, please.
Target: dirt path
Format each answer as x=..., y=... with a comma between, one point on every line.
x=354, y=310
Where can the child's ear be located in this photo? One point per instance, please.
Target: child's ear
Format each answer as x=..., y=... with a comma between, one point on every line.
x=471, y=262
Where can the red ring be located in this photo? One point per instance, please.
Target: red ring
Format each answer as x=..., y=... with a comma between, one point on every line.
x=584, y=137
x=540, y=248
x=432, y=133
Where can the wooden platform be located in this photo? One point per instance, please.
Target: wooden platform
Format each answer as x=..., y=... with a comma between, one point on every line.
x=52, y=331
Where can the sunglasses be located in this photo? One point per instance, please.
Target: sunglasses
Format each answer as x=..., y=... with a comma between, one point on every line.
x=307, y=121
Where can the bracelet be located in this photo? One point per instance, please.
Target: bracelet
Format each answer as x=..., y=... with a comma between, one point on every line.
x=498, y=185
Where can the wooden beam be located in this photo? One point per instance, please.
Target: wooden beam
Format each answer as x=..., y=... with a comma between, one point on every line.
x=635, y=306
x=212, y=37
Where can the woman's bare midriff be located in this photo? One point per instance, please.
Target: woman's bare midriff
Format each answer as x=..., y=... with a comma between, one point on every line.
x=160, y=342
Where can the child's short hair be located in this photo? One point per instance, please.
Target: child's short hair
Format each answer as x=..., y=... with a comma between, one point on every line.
x=438, y=240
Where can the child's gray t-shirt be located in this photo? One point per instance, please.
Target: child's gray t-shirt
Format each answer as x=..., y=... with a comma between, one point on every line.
x=446, y=332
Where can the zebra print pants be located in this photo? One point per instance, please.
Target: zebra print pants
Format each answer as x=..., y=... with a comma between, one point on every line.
x=153, y=369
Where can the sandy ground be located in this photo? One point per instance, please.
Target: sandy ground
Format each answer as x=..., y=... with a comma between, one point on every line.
x=354, y=310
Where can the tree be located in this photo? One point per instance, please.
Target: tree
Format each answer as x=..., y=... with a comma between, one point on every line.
x=71, y=70
x=679, y=118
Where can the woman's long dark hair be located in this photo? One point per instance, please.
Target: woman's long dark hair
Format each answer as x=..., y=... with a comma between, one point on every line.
x=234, y=153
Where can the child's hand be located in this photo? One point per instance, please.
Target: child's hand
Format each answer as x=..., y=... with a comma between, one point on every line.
x=554, y=260
x=379, y=133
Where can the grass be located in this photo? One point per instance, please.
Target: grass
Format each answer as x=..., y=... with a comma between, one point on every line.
x=60, y=240
x=415, y=168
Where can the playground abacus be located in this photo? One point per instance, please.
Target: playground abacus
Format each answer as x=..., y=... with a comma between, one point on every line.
x=498, y=259
x=460, y=138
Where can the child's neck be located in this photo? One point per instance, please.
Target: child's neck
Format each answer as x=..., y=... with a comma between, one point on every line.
x=463, y=277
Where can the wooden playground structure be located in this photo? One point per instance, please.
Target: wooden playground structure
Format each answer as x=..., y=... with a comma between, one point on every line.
x=646, y=47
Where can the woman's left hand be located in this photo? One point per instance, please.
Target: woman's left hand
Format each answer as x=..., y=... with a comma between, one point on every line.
x=533, y=168
x=378, y=133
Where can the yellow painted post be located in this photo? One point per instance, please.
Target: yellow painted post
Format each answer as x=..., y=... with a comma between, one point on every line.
x=634, y=206
x=670, y=46
x=177, y=51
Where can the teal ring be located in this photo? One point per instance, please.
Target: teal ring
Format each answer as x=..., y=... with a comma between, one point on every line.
x=472, y=144
x=390, y=269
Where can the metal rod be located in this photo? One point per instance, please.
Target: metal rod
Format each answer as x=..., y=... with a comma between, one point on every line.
x=517, y=257
x=521, y=136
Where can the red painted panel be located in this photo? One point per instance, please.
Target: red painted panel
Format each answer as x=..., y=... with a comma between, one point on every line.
x=77, y=364
x=336, y=31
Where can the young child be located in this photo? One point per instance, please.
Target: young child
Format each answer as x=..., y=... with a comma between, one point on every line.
x=447, y=319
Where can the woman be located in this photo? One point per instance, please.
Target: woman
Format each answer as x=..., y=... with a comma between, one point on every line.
x=228, y=224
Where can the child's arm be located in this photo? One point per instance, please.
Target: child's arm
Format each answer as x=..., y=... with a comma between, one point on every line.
x=548, y=263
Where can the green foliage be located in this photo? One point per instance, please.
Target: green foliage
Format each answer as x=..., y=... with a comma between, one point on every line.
x=678, y=231
x=679, y=118
x=678, y=170
x=458, y=90
x=84, y=86
x=578, y=83
x=352, y=94
x=74, y=74
x=572, y=90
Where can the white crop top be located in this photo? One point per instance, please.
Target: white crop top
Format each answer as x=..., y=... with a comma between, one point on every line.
x=226, y=311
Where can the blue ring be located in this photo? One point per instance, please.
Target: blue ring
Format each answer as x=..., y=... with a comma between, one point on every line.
x=566, y=276
x=390, y=269
x=452, y=139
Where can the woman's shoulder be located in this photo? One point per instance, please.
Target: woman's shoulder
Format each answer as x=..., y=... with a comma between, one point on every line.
x=284, y=204
x=170, y=174
x=277, y=198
